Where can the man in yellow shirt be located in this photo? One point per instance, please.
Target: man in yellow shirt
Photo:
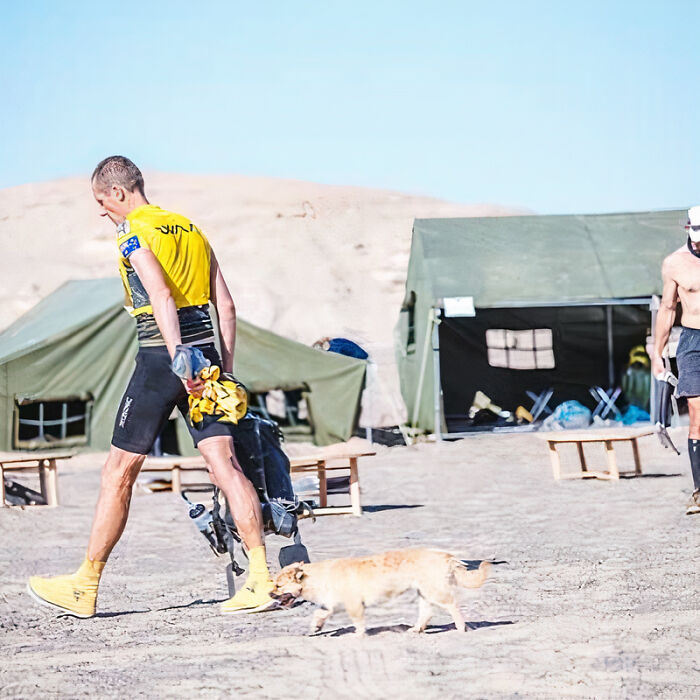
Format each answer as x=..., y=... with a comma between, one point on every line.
x=170, y=275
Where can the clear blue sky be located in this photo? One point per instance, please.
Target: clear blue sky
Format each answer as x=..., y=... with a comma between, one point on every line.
x=562, y=107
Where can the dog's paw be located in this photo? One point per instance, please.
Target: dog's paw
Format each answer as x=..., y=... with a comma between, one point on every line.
x=416, y=630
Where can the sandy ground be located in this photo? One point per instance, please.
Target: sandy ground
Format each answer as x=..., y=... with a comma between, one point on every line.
x=302, y=259
x=598, y=598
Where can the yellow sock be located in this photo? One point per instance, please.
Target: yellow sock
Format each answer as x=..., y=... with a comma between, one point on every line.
x=90, y=571
x=76, y=593
x=258, y=564
x=255, y=594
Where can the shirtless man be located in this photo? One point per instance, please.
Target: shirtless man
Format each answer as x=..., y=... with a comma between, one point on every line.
x=170, y=275
x=681, y=278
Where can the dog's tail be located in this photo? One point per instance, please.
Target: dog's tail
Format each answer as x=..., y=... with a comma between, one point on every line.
x=470, y=578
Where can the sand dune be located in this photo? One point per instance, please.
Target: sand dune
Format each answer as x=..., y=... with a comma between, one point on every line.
x=302, y=259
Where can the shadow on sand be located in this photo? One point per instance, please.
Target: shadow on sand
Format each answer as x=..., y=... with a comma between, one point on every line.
x=400, y=629
x=474, y=563
x=193, y=604
x=342, y=631
x=481, y=624
x=378, y=509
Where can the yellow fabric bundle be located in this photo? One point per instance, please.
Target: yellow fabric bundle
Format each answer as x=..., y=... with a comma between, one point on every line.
x=223, y=398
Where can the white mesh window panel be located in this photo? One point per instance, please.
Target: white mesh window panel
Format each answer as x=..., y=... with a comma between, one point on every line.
x=51, y=423
x=529, y=349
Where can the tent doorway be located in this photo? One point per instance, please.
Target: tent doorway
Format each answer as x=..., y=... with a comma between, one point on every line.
x=505, y=352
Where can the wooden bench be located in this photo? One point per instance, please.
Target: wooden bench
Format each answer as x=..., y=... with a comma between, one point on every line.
x=43, y=464
x=321, y=465
x=177, y=466
x=608, y=439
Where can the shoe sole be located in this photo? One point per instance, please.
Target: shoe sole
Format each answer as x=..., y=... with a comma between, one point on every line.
x=270, y=604
x=66, y=611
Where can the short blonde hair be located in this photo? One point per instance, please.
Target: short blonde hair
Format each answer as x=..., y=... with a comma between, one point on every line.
x=118, y=170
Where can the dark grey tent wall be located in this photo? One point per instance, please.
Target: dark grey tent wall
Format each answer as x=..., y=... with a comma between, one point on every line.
x=580, y=346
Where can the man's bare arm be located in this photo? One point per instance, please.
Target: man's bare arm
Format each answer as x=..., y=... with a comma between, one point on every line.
x=164, y=310
x=225, y=312
x=664, y=317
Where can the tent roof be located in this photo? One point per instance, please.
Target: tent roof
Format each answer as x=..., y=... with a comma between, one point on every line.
x=73, y=305
x=539, y=259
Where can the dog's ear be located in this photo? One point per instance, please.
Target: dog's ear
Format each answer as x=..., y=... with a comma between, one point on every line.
x=299, y=573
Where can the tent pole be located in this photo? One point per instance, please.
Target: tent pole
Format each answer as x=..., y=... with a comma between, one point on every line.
x=437, y=384
x=653, y=409
x=370, y=371
x=611, y=364
x=423, y=363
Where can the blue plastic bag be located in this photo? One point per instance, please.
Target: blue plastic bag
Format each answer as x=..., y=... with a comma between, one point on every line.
x=571, y=415
x=188, y=362
x=634, y=414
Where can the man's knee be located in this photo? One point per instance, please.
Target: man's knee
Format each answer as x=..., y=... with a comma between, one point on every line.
x=216, y=448
x=121, y=469
x=212, y=476
x=223, y=467
x=219, y=454
x=694, y=414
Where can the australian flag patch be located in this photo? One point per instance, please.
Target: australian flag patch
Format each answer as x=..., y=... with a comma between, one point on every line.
x=129, y=246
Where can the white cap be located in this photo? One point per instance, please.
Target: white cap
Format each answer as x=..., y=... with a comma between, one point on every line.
x=694, y=221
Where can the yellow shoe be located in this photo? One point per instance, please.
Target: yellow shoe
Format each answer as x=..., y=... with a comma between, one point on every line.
x=75, y=594
x=253, y=597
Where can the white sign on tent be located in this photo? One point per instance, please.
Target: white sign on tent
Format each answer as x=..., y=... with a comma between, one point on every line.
x=459, y=306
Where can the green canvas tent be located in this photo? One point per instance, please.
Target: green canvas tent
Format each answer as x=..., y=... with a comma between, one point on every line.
x=510, y=304
x=67, y=361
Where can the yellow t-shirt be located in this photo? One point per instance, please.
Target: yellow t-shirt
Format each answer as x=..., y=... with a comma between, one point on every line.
x=181, y=249
x=185, y=256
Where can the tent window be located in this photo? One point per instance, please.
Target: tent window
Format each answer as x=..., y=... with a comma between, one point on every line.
x=530, y=349
x=59, y=422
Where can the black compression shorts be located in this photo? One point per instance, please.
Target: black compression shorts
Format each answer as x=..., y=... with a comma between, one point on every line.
x=153, y=391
